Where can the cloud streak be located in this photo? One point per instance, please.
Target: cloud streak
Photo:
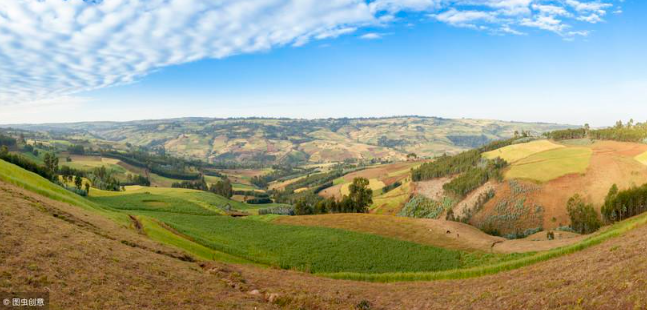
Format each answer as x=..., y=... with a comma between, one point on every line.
x=57, y=48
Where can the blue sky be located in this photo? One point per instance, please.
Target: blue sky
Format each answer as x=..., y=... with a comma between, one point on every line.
x=517, y=60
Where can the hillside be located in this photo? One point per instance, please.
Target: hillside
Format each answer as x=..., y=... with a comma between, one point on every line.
x=81, y=258
x=297, y=140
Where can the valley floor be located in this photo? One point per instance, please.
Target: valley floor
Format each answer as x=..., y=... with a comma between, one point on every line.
x=89, y=262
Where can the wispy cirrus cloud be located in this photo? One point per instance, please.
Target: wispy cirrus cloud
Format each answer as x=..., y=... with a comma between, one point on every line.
x=57, y=48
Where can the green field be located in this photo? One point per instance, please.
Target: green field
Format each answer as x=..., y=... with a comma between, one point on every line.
x=552, y=164
x=515, y=152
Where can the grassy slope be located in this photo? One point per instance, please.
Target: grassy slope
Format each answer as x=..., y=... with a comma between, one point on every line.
x=552, y=164
x=30, y=181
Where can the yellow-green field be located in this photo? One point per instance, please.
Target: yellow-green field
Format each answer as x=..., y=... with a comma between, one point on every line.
x=552, y=164
x=516, y=152
x=642, y=158
x=374, y=184
x=391, y=202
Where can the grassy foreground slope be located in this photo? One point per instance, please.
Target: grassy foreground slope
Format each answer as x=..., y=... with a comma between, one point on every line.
x=32, y=182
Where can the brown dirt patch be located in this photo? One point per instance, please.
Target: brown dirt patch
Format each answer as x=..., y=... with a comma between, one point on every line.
x=432, y=189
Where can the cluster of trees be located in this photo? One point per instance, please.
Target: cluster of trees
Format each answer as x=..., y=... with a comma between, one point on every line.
x=568, y=134
x=26, y=164
x=474, y=177
x=391, y=143
x=620, y=205
x=584, y=218
x=629, y=132
x=358, y=201
x=222, y=187
x=76, y=149
x=137, y=180
x=102, y=178
x=163, y=165
x=7, y=141
x=447, y=165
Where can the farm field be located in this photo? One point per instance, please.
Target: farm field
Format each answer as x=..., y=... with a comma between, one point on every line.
x=378, y=177
x=179, y=281
x=642, y=158
x=552, y=164
x=515, y=152
x=544, y=182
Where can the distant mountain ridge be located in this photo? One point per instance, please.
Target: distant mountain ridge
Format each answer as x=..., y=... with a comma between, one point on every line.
x=275, y=140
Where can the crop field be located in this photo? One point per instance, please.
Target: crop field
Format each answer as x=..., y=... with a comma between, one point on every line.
x=642, y=158
x=391, y=202
x=169, y=199
x=423, y=231
x=88, y=163
x=552, y=164
x=374, y=184
x=378, y=177
x=515, y=152
x=312, y=249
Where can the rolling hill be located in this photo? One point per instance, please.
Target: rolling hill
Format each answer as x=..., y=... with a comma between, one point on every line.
x=297, y=140
x=81, y=257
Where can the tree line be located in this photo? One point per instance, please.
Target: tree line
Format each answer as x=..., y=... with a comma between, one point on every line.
x=629, y=132
x=620, y=205
x=222, y=187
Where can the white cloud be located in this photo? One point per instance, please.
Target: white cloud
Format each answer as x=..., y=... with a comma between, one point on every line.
x=506, y=16
x=57, y=48
x=464, y=18
x=371, y=36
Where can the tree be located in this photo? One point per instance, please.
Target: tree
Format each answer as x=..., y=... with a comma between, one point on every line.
x=361, y=195
x=4, y=151
x=87, y=188
x=302, y=207
x=222, y=188
x=78, y=181
x=51, y=162
x=584, y=218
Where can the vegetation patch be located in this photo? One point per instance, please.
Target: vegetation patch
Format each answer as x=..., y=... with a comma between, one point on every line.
x=422, y=207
